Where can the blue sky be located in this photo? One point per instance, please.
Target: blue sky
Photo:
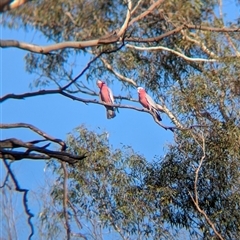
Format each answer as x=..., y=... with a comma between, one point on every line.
x=57, y=115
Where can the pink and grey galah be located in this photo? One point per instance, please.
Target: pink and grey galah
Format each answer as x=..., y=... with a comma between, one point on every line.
x=148, y=102
x=106, y=96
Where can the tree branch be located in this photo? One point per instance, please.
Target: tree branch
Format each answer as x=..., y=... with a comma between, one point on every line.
x=5, y=180
x=94, y=101
x=211, y=29
x=75, y=215
x=195, y=200
x=118, y=75
x=16, y=155
x=65, y=200
x=172, y=51
x=35, y=129
x=25, y=200
x=144, y=14
x=124, y=27
x=200, y=44
x=89, y=64
x=108, y=39
x=136, y=6
x=6, y=5
x=15, y=143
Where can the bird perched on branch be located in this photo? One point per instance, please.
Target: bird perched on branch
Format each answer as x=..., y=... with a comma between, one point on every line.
x=148, y=102
x=106, y=96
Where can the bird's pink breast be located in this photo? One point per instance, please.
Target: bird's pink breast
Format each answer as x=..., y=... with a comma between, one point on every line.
x=143, y=100
x=105, y=94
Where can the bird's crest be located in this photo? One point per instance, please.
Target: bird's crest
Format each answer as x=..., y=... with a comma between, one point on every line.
x=100, y=83
x=140, y=89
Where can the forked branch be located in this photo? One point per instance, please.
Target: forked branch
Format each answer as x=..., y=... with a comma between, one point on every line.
x=195, y=197
x=25, y=199
x=32, y=151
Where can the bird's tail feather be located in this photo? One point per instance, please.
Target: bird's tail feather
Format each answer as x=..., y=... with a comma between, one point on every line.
x=157, y=116
x=110, y=113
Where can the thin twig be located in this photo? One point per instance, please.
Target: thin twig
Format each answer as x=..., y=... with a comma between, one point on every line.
x=25, y=200
x=5, y=180
x=65, y=200
x=118, y=75
x=75, y=214
x=89, y=64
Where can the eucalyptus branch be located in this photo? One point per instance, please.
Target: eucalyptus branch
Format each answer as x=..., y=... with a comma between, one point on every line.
x=195, y=198
x=65, y=200
x=50, y=48
x=89, y=64
x=201, y=45
x=75, y=215
x=172, y=51
x=5, y=180
x=17, y=155
x=124, y=27
x=211, y=29
x=170, y=115
x=136, y=7
x=6, y=5
x=198, y=169
x=47, y=154
x=35, y=129
x=25, y=199
x=149, y=10
x=118, y=75
x=107, y=39
x=94, y=101
x=232, y=45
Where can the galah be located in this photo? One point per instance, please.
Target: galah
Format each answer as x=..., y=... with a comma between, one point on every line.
x=106, y=96
x=148, y=102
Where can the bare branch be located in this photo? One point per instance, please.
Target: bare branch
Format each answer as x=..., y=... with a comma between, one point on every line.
x=108, y=39
x=211, y=29
x=171, y=116
x=172, y=51
x=232, y=45
x=6, y=5
x=89, y=64
x=144, y=14
x=195, y=200
x=35, y=129
x=15, y=143
x=198, y=169
x=65, y=200
x=49, y=48
x=154, y=39
x=200, y=44
x=25, y=200
x=5, y=180
x=136, y=6
x=94, y=101
x=75, y=214
x=16, y=155
x=120, y=76
x=126, y=22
